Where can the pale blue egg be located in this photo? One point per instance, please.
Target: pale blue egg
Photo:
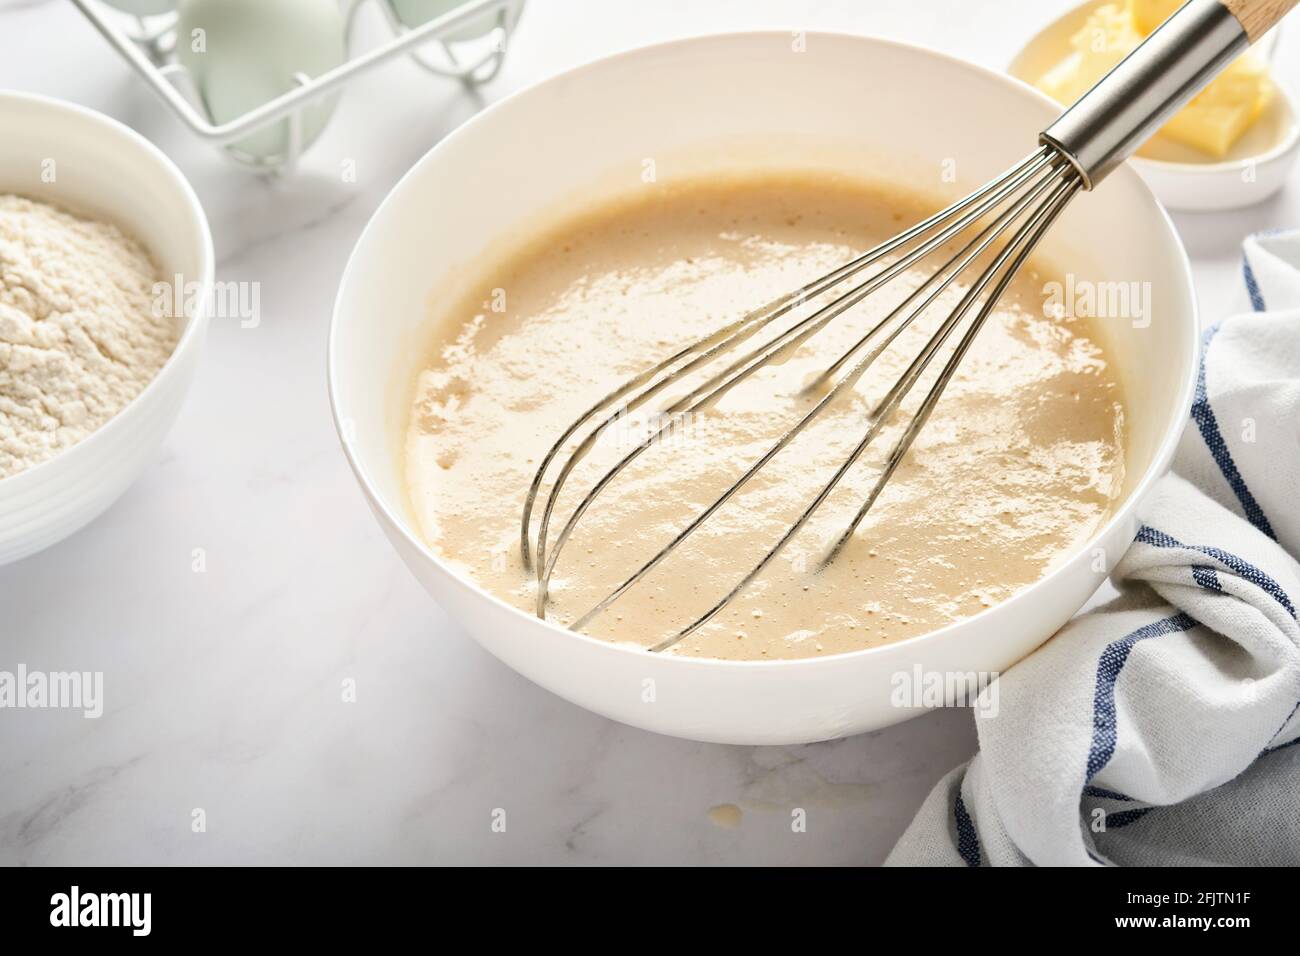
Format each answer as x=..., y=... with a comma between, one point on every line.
x=143, y=8
x=243, y=53
x=414, y=13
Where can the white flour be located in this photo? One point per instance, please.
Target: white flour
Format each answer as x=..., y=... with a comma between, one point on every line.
x=79, y=337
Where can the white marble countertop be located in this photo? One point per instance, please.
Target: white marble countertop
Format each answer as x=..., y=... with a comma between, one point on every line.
x=222, y=688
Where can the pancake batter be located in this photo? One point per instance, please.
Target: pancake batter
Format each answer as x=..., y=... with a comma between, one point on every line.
x=1022, y=458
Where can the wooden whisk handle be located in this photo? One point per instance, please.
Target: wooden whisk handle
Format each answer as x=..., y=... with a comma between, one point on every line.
x=1257, y=17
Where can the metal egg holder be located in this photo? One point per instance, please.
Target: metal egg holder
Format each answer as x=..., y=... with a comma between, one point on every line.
x=148, y=44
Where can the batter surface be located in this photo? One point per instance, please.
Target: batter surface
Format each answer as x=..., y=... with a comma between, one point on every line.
x=1022, y=458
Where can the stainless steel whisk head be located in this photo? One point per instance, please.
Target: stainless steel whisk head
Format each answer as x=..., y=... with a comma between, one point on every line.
x=994, y=230
x=1023, y=201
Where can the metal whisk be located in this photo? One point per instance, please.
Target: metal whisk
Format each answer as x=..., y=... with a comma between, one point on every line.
x=1005, y=219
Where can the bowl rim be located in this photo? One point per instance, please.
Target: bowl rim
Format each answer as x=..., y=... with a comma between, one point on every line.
x=1155, y=471
x=1286, y=145
x=190, y=336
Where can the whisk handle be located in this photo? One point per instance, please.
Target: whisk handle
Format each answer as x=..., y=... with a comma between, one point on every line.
x=1257, y=17
x=1109, y=122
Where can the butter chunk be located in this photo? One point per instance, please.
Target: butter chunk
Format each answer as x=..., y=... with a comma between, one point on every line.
x=1218, y=116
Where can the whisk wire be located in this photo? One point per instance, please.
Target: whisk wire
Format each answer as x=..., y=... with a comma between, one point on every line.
x=1033, y=229
x=986, y=197
x=1043, y=172
x=1056, y=203
x=967, y=255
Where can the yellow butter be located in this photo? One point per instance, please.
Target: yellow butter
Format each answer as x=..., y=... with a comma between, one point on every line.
x=1149, y=14
x=1217, y=117
x=1211, y=122
x=1106, y=38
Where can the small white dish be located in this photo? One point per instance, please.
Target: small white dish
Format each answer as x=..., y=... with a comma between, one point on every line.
x=104, y=169
x=1255, y=168
x=715, y=105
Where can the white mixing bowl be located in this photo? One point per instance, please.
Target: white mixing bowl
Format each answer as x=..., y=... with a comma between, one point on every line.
x=820, y=101
x=92, y=165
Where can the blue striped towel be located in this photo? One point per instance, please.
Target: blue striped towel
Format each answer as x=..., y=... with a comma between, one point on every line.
x=1158, y=729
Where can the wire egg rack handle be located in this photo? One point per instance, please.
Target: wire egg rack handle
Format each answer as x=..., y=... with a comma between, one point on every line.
x=148, y=45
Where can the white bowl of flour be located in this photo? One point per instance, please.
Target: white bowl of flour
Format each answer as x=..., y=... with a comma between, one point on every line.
x=101, y=239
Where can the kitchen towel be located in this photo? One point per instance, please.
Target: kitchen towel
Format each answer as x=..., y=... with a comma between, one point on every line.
x=1162, y=727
